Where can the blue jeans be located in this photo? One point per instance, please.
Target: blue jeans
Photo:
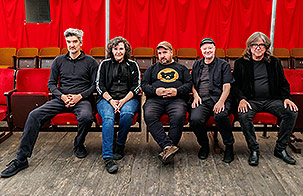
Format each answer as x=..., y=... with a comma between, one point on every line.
x=107, y=114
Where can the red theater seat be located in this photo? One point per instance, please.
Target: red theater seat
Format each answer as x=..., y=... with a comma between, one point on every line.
x=31, y=92
x=64, y=119
x=165, y=119
x=265, y=118
x=6, y=84
x=295, y=79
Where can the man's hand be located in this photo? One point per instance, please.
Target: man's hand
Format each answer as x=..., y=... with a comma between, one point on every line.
x=292, y=105
x=197, y=101
x=71, y=100
x=219, y=107
x=66, y=99
x=243, y=106
x=161, y=91
x=170, y=92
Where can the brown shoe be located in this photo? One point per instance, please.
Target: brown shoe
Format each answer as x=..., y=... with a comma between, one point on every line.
x=168, y=154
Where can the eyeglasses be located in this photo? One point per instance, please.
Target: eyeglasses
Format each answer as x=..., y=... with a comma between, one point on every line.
x=255, y=46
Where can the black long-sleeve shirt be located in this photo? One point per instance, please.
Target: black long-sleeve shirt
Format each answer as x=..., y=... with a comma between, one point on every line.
x=173, y=75
x=74, y=76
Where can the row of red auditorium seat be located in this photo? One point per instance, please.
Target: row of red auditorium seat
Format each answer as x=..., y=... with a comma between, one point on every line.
x=145, y=56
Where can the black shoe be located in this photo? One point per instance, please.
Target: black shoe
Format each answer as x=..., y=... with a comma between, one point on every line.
x=203, y=152
x=228, y=154
x=284, y=156
x=14, y=167
x=80, y=151
x=253, y=158
x=119, y=152
x=110, y=165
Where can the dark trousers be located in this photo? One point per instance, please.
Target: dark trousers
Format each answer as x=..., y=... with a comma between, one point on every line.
x=201, y=114
x=37, y=117
x=275, y=107
x=176, y=110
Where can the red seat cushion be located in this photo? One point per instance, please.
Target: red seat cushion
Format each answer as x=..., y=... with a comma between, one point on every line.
x=3, y=109
x=211, y=121
x=64, y=119
x=165, y=119
x=265, y=118
x=99, y=119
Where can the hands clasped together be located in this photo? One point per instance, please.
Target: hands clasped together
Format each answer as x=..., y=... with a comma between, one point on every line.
x=71, y=100
x=117, y=104
x=166, y=92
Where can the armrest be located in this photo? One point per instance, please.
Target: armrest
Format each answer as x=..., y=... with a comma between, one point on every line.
x=9, y=93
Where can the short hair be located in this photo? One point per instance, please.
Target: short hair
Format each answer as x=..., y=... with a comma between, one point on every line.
x=73, y=32
x=114, y=42
x=254, y=38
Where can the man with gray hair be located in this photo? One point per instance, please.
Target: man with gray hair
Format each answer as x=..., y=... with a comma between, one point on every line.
x=260, y=86
x=75, y=72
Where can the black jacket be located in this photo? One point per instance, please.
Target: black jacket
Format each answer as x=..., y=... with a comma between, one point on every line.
x=75, y=76
x=104, y=77
x=243, y=87
x=219, y=75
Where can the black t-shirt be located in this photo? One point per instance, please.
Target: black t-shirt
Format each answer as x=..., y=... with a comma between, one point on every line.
x=261, y=85
x=168, y=76
x=204, y=82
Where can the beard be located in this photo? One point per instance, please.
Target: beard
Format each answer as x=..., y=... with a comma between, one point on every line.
x=165, y=61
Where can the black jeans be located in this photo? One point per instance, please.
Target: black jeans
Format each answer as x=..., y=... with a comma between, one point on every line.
x=201, y=114
x=36, y=118
x=176, y=109
x=275, y=107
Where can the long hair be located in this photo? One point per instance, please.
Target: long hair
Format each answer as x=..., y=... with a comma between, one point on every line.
x=114, y=42
x=254, y=38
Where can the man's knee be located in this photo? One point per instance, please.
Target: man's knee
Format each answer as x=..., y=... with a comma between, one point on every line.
x=245, y=116
x=35, y=114
x=221, y=116
x=290, y=114
x=85, y=117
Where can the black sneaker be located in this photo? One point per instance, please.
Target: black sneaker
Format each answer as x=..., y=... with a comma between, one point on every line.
x=228, y=154
x=119, y=152
x=253, y=158
x=80, y=151
x=110, y=165
x=203, y=152
x=14, y=167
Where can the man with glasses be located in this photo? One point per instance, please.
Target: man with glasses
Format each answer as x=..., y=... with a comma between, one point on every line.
x=260, y=86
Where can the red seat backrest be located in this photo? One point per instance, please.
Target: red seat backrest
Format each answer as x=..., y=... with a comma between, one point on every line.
x=295, y=79
x=32, y=80
x=6, y=83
